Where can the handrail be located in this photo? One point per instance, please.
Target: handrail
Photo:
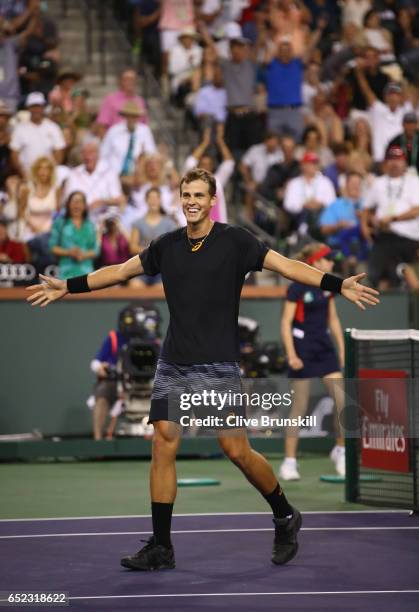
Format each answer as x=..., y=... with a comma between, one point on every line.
x=88, y=43
x=267, y=207
x=101, y=9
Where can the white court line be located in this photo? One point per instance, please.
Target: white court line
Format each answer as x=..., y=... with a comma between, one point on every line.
x=191, y=514
x=398, y=592
x=146, y=596
x=112, y=533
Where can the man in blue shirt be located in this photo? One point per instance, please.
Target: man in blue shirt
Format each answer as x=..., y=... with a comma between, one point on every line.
x=284, y=79
x=339, y=221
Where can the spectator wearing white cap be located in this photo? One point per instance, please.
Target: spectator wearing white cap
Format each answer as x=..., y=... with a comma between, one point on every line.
x=38, y=137
x=390, y=219
x=386, y=117
x=99, y=183
x=125, y=141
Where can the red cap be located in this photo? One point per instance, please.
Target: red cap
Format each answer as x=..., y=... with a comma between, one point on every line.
x=395, y=152
x=310, y=157
x=322, y=252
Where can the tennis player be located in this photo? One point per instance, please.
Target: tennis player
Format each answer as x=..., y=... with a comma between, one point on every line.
x=203, y=267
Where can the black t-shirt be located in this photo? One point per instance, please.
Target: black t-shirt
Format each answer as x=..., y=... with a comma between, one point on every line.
x=376, y=81
x=203, y=290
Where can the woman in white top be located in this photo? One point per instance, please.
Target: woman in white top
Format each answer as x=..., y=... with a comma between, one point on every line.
x=39, y=199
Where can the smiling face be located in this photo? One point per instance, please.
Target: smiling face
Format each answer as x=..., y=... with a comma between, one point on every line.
x=196, y=201
x=77, y=205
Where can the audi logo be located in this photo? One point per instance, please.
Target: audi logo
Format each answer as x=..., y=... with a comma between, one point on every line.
x=23, y=272
x=17, y=272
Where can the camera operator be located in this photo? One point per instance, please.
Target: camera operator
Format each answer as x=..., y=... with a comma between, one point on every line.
x=106, y=389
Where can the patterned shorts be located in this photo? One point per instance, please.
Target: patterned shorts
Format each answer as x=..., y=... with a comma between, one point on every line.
x=174, y=382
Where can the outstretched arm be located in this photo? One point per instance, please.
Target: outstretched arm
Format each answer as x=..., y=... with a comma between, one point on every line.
x=295, y=270
x=53, y=289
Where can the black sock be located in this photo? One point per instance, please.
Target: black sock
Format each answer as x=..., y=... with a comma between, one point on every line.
x=162, y=520
x=279, y=503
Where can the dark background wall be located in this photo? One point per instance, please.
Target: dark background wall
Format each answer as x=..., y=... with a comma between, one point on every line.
x=45, y=354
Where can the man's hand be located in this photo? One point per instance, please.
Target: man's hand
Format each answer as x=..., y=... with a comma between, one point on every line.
x=50, y=290
x=353, y=291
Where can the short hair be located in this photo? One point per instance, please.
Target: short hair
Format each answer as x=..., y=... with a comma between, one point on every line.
x=271, y=134
x=340, y=148
x=127, y=69
x=353, y=173
x=199, y=174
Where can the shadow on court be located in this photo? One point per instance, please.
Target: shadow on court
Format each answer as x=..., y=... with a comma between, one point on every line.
x=351, y=561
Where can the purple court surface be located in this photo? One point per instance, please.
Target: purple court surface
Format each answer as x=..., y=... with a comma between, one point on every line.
x=351, y=561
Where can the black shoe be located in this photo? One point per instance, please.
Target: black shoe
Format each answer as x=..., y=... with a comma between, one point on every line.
x=285, y=545
x=152, y=556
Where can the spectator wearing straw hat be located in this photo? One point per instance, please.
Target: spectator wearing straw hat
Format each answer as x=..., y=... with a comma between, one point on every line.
x=125, y=141
x=109, y=112
x=184, y=58
x=38, y=137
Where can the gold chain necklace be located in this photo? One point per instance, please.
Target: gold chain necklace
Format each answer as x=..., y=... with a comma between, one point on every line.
x=195, y=247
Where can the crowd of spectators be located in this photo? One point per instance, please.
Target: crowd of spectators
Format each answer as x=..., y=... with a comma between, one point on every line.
x=306, y=110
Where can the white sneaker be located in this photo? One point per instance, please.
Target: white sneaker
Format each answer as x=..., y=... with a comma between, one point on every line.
x=288, y=470
x=338, y=457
